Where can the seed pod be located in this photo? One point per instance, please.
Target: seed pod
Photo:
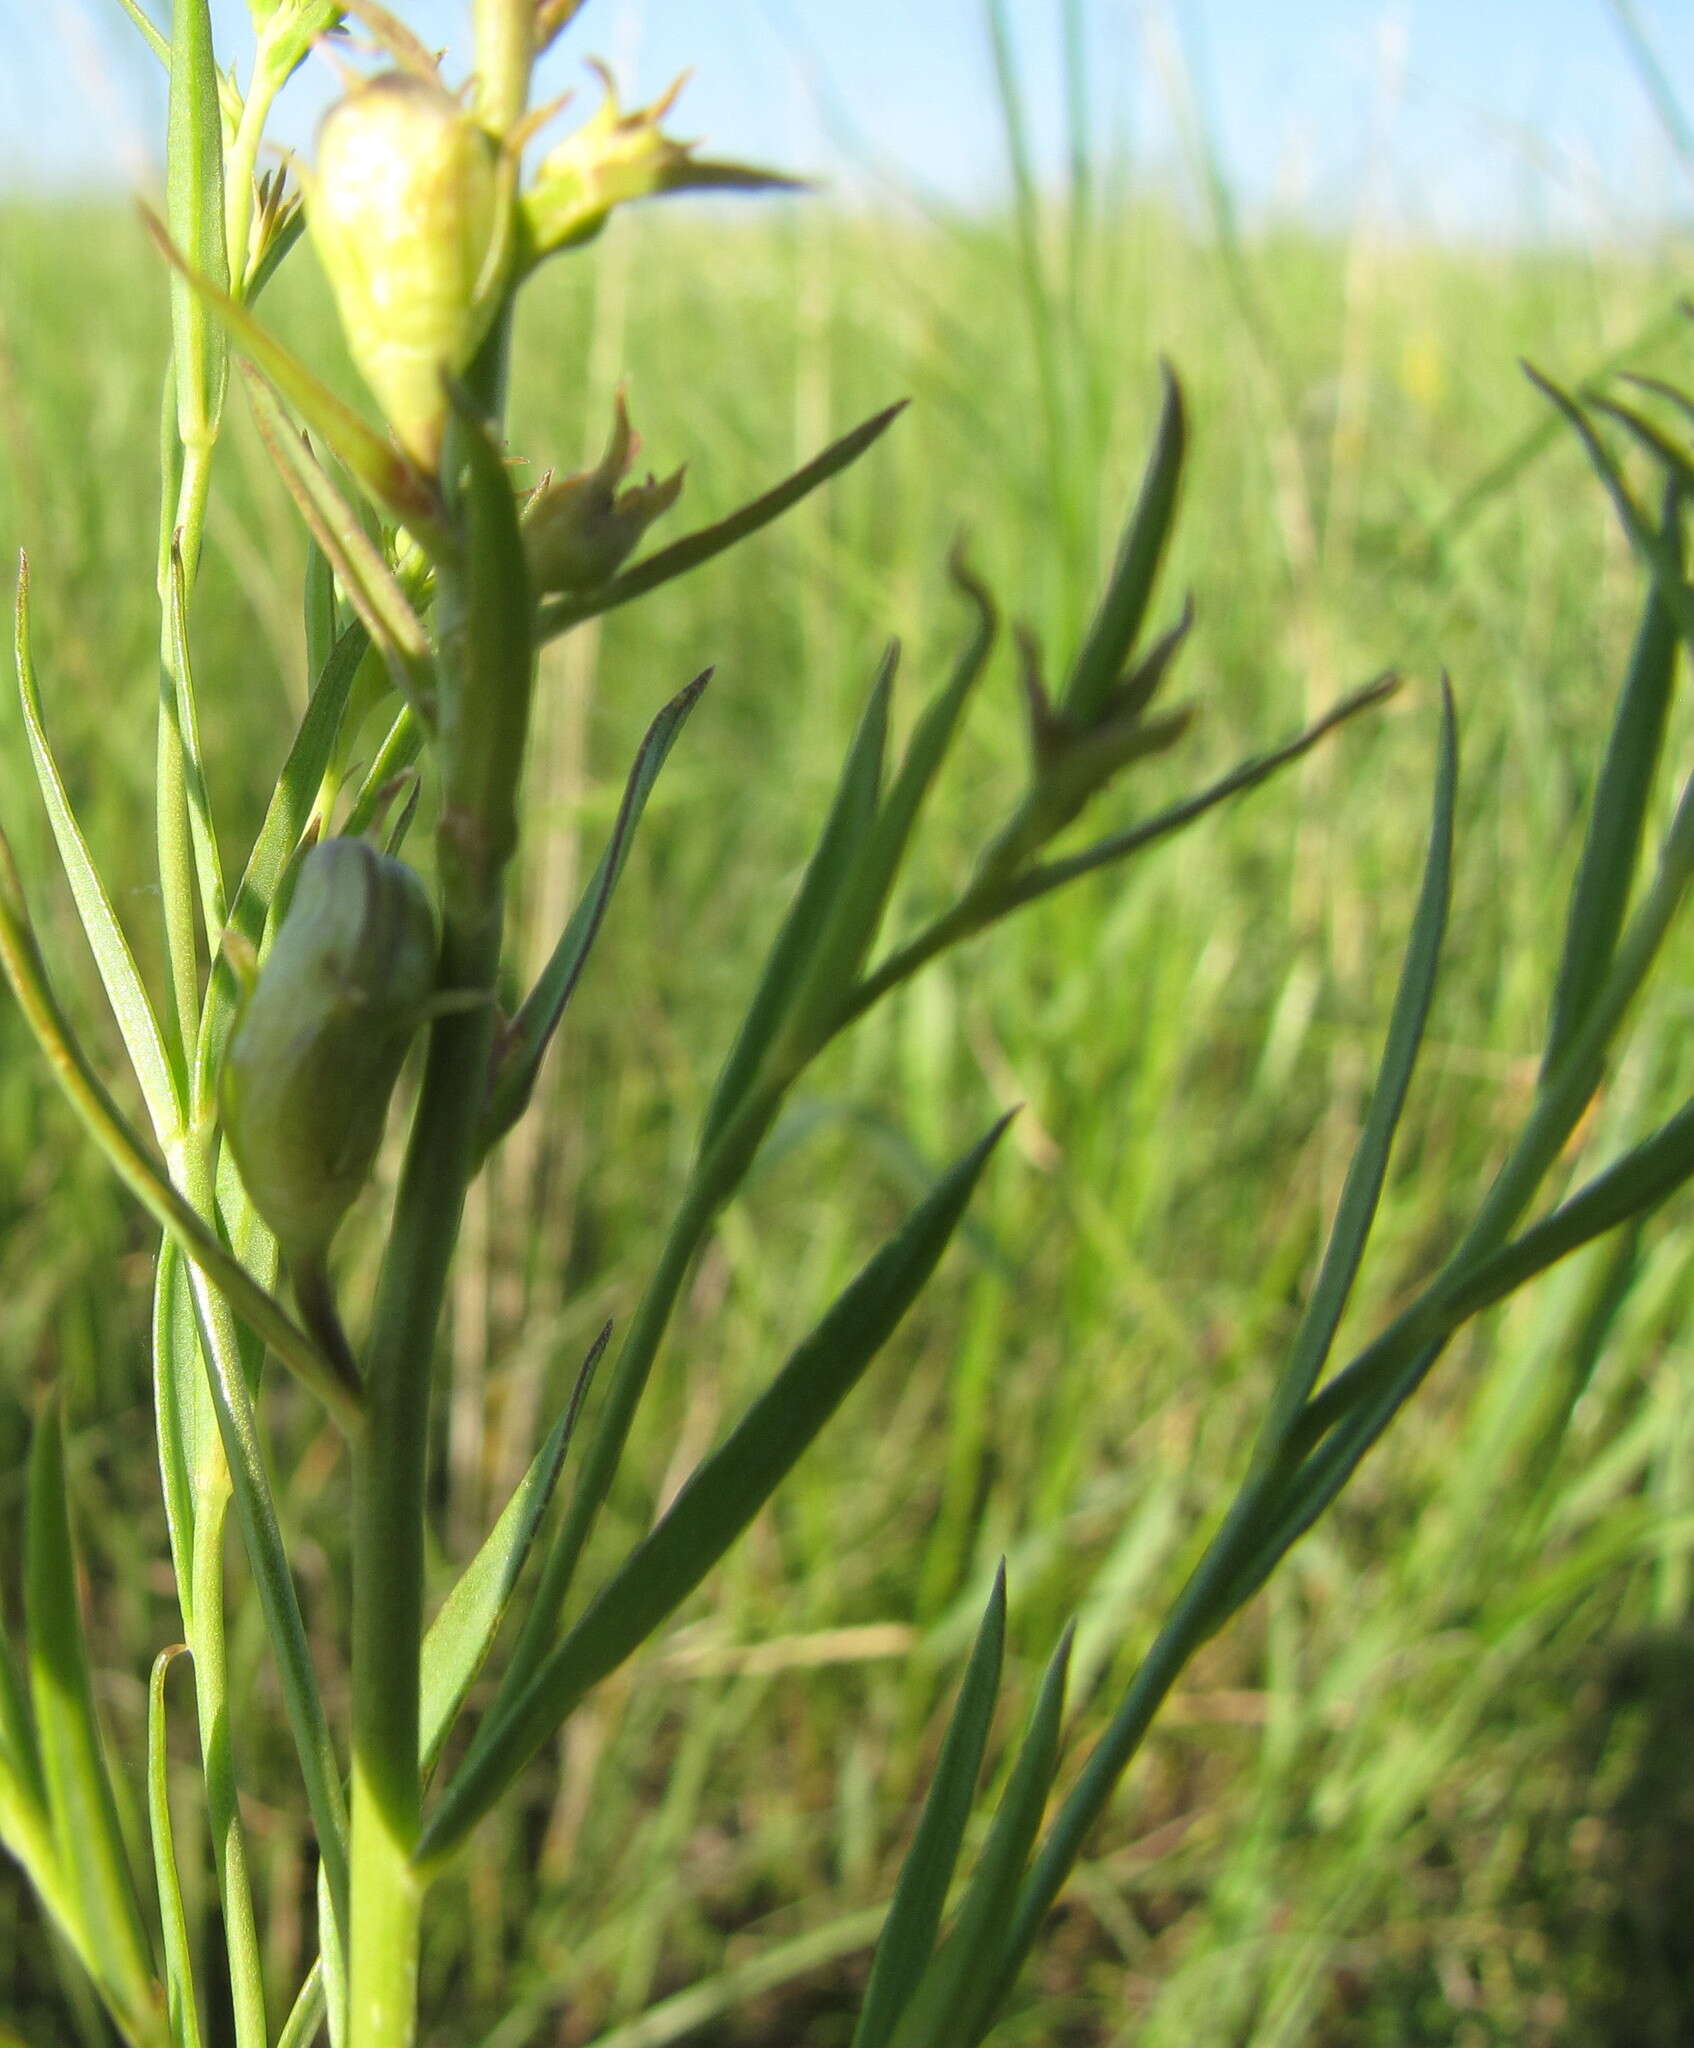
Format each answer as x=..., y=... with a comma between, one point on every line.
x=319, y=1045
x=577, y=529
x=404, y=209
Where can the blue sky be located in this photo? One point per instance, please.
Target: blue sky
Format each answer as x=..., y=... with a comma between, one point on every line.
x=1451, y=115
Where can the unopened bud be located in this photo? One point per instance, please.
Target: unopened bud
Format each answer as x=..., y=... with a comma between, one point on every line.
x=320, y=1043
x=404, y=210
x=577, y=529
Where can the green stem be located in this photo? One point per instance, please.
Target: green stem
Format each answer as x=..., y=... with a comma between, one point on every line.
x=390, y=1460
x=390, y=1468
x=505, y=51
x=213, y=1704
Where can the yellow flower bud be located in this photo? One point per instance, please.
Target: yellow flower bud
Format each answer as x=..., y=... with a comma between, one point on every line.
x=318, y=1048
x=404, y=210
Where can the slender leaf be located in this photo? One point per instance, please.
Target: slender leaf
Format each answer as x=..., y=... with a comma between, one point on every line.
x=1618, y=813
x=463, y=1632
x=975, y=913
x=920, y=1897
x=80, y=1797
x=1111, y=638
x=1368, y=1167
x=697, y=548
x=855, y=917
x=306, y=2016
x=119, y=975
x=18, y=1752
x=715, y=1505
x=375, y=463
x=150, y=34
x=182, y=1415
x=105, y=1123
x=181, y=2005
x=531, y=1031
x=955, y=2003
x=852, y=817
x=370, y=585
x=208, y=866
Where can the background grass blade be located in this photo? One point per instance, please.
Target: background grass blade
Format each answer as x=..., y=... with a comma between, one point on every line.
x=715, y=1505
x=137, y=1023
x=914, y=1914
x=181, y=2006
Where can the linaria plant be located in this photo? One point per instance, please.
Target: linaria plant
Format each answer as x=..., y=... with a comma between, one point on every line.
x=297, y=988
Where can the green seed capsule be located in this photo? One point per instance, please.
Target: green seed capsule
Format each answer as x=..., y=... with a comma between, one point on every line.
x=319, y=1046
x=403, y=208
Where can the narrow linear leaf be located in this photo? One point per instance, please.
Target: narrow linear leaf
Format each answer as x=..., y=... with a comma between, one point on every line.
x=180, y=2002
x=119, y=975
x=1249, y=774
x=1368, y=1167
x=400, y=747
x=1654, y=549
x=306, y=2017
x=80, y=1799
x=18, y=1753
x=182, y=1418
x=715, y=1505
x=957, y=2000
x=920, y=1897
x=970, y=915
x=462, y=1634
x=531, y=1031
x=150, y=34
x=1111, y=638
x=125, y=1154
x=697, y=548
x=375, y=463
x=856, y=915
x=1617, y=815
x=852, y=816
x=208, y=866
x=370, y=585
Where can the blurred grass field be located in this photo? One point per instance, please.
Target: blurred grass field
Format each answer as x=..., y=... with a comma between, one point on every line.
x=1432, y=1790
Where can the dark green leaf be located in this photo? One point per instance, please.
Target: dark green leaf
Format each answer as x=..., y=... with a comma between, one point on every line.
x=1111, y=638
x=531, y=1031
x=1369, y=1165
x=959, y=1996
x=181, y=2004
x=920, y=1897
x=694, y=549
x=79, y=1793
x=462, y=1633
x=852, y=817
x=1618, y=813
x=717, y=1503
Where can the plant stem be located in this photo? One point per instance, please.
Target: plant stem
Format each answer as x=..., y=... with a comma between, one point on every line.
x=390, y=1468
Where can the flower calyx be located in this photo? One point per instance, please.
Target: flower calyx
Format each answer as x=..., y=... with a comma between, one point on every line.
x=616, y=157
x=578, y=530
